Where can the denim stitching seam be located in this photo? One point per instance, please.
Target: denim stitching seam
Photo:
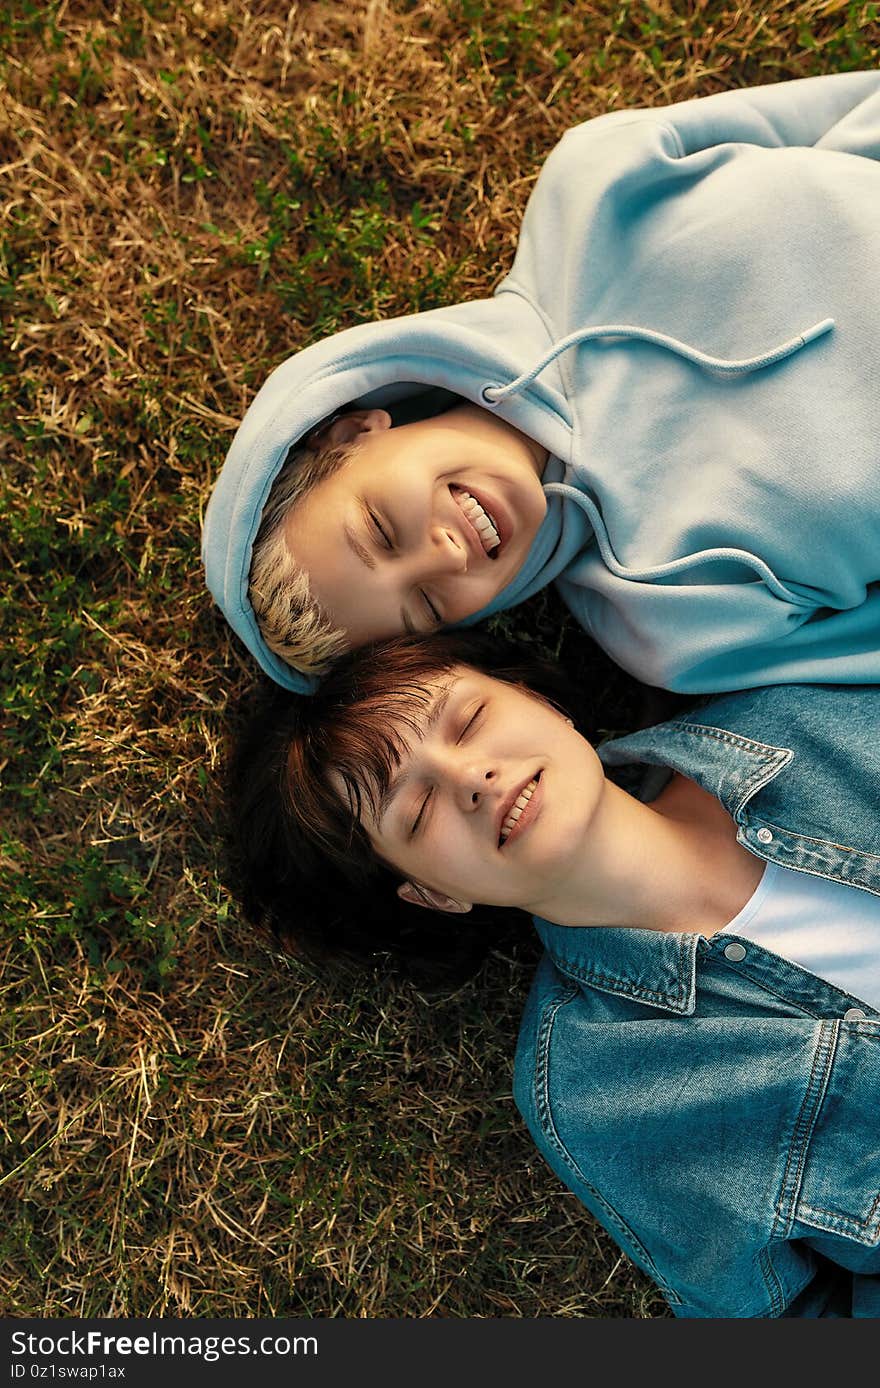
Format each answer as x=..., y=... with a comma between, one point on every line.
x=805, y=1124
x=771, y=1281
x=837, y=1223
x=612, y=983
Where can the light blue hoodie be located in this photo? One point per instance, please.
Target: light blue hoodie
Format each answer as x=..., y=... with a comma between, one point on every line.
x=691, y=328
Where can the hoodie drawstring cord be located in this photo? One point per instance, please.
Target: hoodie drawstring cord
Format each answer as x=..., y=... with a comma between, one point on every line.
x=493, y=393
x=673, y=566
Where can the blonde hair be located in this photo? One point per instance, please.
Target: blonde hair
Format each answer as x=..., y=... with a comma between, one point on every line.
x=293, y=625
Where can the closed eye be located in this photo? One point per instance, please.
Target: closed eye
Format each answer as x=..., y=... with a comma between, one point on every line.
x=434, y=615
x=379, y=532
x=472, y=722
x=419, y=817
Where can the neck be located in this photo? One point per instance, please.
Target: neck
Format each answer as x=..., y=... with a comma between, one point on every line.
x=671, y=865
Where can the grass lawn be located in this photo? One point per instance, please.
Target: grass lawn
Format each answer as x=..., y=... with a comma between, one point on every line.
x=193, y=1123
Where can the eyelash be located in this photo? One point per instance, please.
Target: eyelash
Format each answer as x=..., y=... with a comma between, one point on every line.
x=468, y=728
x=434, y=614
x=469, y=725
x=385, y=541
x=418, y=819
x=379, y=529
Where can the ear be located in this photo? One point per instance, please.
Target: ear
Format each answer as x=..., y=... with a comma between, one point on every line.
x=350, y=426
x=435, y=901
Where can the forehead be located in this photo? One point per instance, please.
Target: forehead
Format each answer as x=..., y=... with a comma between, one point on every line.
x=371, y=746
x=420, y=447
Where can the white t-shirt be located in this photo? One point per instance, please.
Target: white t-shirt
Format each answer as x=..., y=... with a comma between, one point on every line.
x=828, y=928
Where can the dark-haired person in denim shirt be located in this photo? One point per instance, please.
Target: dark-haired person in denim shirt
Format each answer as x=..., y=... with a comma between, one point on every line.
x=699, y=1059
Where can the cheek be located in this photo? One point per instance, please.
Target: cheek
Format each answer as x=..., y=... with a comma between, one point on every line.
x=403, y=484
x=443, y=859
x=416, y=861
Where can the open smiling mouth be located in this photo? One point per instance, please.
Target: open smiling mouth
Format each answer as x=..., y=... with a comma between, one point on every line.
x=519, y=808
x=480, y=520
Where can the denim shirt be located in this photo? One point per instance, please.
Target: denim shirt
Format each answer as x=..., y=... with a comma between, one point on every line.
x=716, y=1107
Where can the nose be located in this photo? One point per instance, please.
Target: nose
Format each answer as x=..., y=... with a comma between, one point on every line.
x=473, y=784
x=444, y=553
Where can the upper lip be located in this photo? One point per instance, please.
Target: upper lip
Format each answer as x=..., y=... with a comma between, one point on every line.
x=473, y=543
x=510, y=800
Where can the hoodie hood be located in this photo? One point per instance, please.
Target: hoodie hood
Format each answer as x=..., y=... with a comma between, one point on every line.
x=390, y=364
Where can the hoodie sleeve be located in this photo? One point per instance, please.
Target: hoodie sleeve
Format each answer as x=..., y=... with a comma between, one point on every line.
x=730, y=223
x=839, y=112
x=607, y=178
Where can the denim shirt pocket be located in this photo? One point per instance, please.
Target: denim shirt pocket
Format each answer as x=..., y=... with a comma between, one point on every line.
x=832, y=1180
x=563, y=1162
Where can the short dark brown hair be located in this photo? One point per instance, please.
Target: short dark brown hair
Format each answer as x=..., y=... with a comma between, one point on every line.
x=299, y=844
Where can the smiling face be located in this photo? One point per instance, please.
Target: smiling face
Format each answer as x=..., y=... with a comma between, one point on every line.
x=493, y=798
x=423, y=526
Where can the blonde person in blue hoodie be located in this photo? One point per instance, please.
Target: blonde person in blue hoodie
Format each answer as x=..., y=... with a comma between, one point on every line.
x=670, y=407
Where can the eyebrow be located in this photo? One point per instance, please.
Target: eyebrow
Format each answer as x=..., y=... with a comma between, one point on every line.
x=433, y=716
x=360, y=550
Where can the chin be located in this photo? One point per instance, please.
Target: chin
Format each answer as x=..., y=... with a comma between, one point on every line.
x=568, y=848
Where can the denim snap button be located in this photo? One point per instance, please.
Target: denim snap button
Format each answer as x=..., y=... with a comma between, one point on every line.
x=735, y=952
x=764, y=836
x=853, y=1014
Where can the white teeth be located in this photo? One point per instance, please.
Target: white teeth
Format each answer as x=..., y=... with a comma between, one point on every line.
x=479, y=519
x=519, y=805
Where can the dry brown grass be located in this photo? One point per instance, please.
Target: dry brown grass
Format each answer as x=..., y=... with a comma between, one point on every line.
x=194, y=1124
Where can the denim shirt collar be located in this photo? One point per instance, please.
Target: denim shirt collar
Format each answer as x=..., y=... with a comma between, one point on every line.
x=653, y=966
x=731, y=767
x=649, y=966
